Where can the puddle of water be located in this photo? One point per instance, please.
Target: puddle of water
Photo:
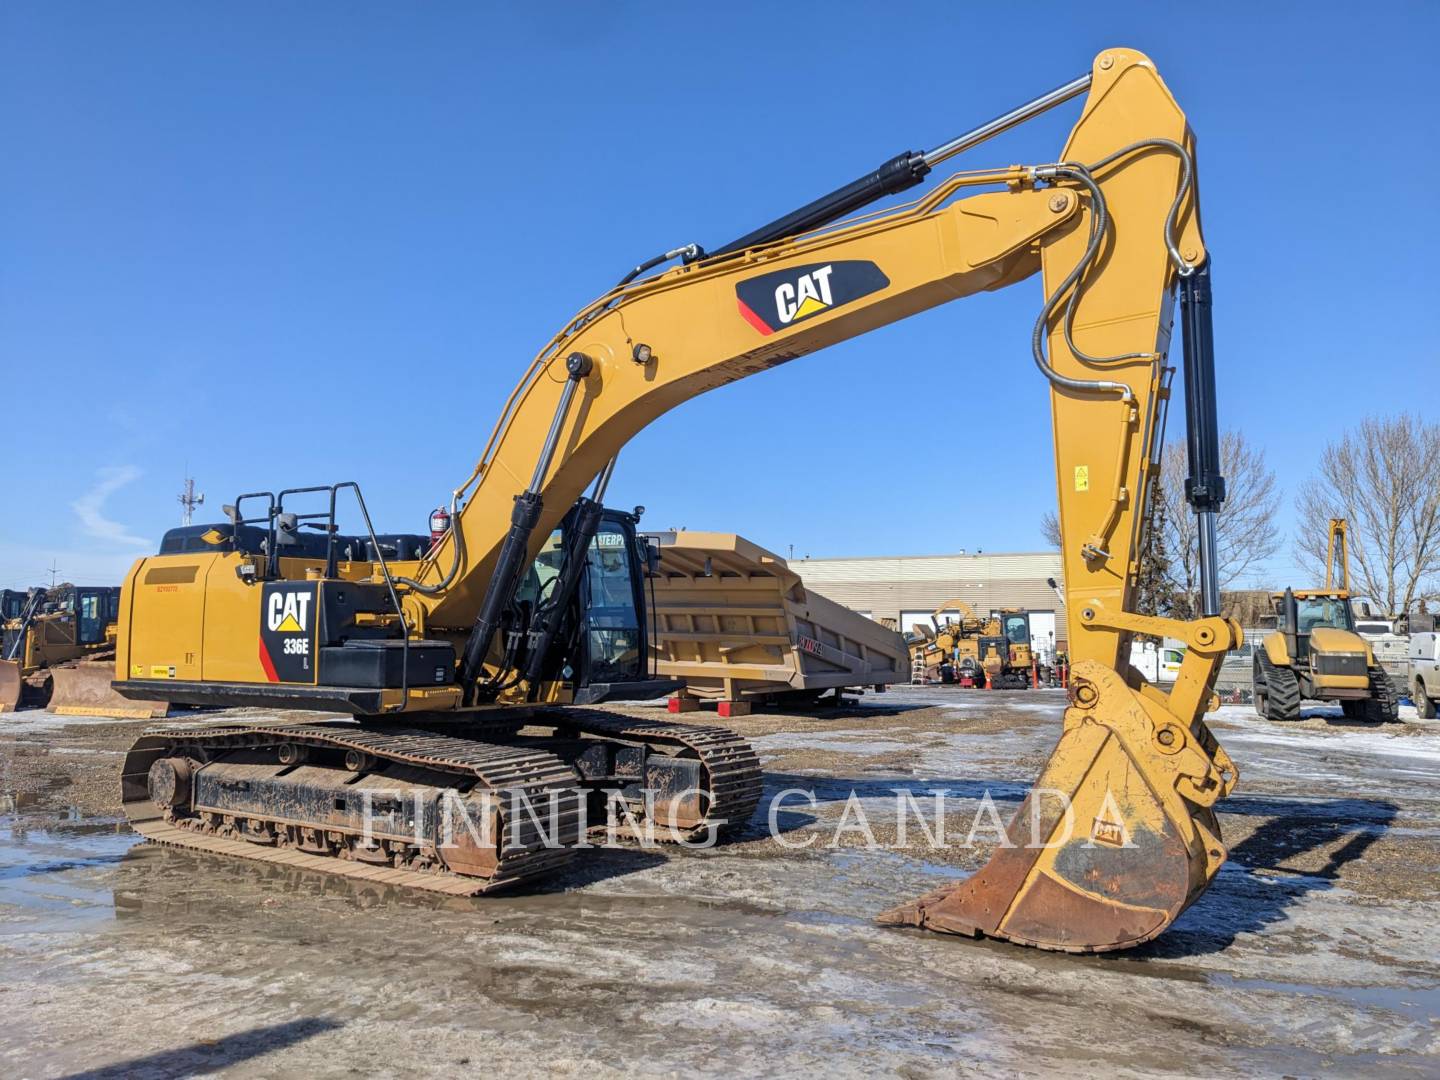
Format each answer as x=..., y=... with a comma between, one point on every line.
x=56, y=876
x=1419, y=1003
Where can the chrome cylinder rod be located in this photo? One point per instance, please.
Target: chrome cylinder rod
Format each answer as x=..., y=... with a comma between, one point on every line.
x=1006, y=121
x=603, y=481
x=1209, y=565
x=578, y=365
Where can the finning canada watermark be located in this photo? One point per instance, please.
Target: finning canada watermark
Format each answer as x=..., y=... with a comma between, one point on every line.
x=795, y=818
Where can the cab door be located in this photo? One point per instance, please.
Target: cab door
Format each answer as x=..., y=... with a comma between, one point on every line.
x=612, y=598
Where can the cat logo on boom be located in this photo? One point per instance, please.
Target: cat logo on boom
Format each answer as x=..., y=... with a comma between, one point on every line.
x=781, y=298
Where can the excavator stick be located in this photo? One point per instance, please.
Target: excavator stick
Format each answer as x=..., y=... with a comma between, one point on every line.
x=11, y=685
x=82, y=688
x=1115, y=840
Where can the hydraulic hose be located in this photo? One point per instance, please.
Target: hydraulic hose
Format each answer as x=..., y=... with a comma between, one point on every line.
x=690, y=252
x=1099, y=226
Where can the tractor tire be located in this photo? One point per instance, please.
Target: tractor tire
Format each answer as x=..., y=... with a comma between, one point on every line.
x=1279, y=700
x=1424, y=703
x=1384, y=704
x=1257, y=688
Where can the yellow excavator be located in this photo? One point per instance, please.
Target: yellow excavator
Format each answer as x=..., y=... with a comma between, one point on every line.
x=1316, y=653
x=441, y=659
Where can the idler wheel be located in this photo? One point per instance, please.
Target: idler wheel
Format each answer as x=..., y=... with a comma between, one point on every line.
x=169, y=782
x=292, y=753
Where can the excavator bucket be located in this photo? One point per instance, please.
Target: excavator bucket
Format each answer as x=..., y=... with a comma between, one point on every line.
x=11, y=683
x=82, y=688
x=1114, y=841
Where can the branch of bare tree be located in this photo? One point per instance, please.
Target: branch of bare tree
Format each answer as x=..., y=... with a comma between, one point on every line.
x=1050, y=528
x=1381, y=477
x=1245, y=530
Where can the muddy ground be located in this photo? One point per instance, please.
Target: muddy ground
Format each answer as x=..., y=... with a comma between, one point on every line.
x=1314, y=952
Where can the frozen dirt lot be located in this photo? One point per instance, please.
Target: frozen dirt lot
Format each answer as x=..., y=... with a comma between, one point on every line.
x=1314, y=953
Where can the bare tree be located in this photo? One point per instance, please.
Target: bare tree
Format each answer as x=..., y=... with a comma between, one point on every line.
x=1245, y=530
x=1050, y=528
x=1381, y=477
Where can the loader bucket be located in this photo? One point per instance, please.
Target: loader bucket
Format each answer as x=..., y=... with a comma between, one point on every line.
x=83, y=688
x=1114, y=841
x=11, y=683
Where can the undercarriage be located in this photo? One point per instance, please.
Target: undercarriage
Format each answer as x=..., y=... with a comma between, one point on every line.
x=452, y=806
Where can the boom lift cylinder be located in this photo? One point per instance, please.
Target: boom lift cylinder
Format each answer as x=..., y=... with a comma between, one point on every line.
x=514, y=554
x=900, y=173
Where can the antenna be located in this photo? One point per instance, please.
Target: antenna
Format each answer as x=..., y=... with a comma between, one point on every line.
x=54, y=572
x=189, y=500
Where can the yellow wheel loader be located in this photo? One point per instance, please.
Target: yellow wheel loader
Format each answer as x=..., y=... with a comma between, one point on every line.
x=1315, y=654
x=531, y=609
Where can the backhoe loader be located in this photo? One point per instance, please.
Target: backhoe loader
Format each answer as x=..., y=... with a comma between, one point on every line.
x=532, y=604
x=1316, y=653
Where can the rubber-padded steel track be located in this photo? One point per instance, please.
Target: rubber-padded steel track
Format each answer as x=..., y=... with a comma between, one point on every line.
x=502, y=768
x=732, y=768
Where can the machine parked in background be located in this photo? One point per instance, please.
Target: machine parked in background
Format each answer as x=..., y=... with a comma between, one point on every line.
x=739, y=626
x=994, y=651
x=1316, y=654
x=57, y=650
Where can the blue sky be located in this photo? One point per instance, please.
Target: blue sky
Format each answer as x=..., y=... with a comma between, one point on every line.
x=289, y=244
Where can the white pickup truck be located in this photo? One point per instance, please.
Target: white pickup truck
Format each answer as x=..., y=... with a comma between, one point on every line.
x=1424, y=676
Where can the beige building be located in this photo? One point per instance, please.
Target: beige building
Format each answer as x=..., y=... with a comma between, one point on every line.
x=908, y=588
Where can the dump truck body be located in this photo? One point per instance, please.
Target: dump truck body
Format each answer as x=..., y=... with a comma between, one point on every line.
x=735, y=622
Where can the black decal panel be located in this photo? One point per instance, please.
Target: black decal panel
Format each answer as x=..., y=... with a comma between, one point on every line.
x=782, y=298
x=288, y=616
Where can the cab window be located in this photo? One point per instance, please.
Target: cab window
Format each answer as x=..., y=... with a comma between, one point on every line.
x=1322, y=611
x=92, y=618
x=615, y=640
x=540, y=578
x=1017, y=629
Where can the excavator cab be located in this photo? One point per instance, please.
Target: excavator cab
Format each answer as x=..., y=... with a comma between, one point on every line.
x=12, y=603
x=602, y=648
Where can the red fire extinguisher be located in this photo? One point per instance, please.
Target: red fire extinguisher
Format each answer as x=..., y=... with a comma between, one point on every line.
x=439, y=524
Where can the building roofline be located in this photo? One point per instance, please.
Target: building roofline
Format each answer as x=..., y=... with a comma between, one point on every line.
x=942, y=555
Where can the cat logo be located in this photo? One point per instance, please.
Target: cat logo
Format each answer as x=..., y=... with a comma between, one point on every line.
x=782, y=298
x=288, y=649
x=288, y=612
x=807, y=296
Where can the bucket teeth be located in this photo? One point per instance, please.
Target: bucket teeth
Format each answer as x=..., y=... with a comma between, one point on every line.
x=1106, y=851
x=918, y=913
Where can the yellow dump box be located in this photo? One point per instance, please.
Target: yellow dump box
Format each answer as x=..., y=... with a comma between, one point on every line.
x=737, y=624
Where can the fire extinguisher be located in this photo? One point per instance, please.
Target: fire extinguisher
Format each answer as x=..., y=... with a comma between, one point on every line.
x=439, y=524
